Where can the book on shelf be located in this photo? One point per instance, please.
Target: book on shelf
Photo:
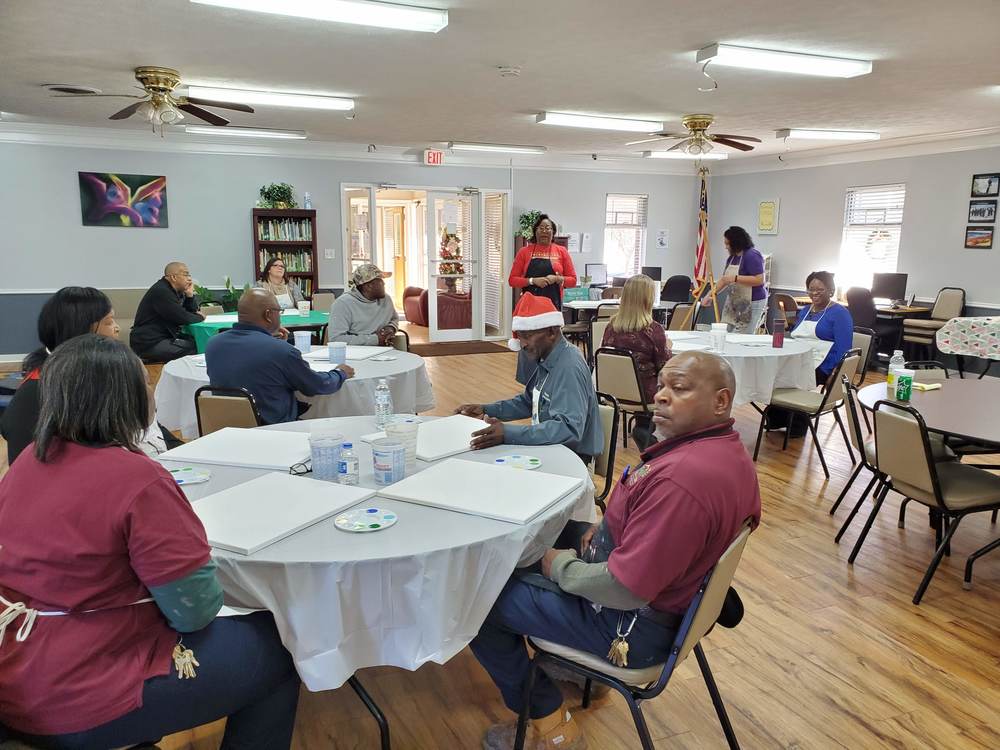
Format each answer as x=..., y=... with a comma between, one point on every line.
x=289, y=230
x=296, y=261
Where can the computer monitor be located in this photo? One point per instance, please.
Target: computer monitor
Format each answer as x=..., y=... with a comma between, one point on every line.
x=890, y=286
x=619, y=280
x=598, y=273
x=653, y=272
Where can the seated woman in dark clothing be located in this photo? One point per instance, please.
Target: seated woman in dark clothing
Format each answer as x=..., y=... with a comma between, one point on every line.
x=634, y=330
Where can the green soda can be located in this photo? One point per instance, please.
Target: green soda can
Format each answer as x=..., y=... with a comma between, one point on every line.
x=904, y=385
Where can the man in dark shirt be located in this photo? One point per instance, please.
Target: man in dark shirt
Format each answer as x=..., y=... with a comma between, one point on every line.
x=254, y=354
x=169, y=304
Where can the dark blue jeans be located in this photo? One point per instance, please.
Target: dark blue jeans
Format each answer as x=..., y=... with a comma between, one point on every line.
x=245, y=674
x=523, y=609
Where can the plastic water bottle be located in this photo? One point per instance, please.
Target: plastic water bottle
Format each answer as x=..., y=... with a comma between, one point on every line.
x=896, y=363
x=383, y=404
x=347, y=470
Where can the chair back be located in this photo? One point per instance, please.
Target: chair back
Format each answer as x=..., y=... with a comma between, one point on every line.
x=611, y=292
x=950, y=303
x=846, y=368
x=607, y=312
x=679, y=314
x=597, y=329
x=616, y=373
x=786, y=302
x=211, y=309
x=863, y=338
x=706, y=606
x=927, y=370
x=224, y=407
x=853, y=421
x=677, y=289
x=903, y=450
x=323, y=301
x=604, y=462
x=862, y=306
x=401, y=341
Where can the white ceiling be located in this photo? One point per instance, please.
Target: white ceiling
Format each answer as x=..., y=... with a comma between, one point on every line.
x=937, y=67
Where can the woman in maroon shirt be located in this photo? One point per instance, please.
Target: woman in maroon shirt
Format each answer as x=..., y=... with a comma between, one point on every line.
x=634, y=330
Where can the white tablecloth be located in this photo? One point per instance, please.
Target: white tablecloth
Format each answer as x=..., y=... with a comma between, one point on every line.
x=410, y=594
x=407, y=376
x=761, y=369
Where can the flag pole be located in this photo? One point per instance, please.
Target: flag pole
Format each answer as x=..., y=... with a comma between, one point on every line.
x=707, y=282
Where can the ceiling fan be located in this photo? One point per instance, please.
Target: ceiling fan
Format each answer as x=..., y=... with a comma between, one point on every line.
x=696, y=140
x=160, y=106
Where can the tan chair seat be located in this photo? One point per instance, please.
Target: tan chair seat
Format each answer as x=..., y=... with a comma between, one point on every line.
x=939, y=450
x=636, y=677
x=929, y=325
x=962, y=487
x=800, y=400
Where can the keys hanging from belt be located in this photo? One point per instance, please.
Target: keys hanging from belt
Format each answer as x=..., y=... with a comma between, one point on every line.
x=618, y=654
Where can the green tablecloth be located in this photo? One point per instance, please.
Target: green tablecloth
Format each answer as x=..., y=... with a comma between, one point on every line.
x=203, y=331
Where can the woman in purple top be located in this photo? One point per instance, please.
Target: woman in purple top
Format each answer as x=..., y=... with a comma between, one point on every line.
x=747, y=300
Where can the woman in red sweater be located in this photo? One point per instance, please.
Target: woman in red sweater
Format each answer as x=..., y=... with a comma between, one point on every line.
x=544, y=269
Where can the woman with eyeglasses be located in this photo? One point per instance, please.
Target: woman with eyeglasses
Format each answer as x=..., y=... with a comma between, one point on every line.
x=275, y=279
x=825, y=325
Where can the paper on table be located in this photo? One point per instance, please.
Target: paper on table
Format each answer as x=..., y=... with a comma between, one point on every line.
x=234, y=446
x=682, y=335
x=486, y=490
x=221, y=318
x=265, y=510
x=353, y=352
x=198, y=360
x=440, y=438
x=686, y=346
x=749, y=338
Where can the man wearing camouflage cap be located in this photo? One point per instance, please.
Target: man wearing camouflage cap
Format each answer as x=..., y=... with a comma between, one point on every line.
x=364, y=315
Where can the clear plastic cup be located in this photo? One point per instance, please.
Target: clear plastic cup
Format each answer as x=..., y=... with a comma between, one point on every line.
x=403, y=428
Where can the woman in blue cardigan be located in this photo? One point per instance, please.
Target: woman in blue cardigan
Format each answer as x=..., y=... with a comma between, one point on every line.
x=825, y=325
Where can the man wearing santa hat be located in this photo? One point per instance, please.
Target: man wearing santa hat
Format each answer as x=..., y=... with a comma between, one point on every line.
x=559, y=396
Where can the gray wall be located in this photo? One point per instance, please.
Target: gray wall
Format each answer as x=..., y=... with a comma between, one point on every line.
x=812, y=215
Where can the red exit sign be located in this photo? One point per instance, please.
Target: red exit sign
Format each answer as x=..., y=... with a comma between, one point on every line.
x=433, y=157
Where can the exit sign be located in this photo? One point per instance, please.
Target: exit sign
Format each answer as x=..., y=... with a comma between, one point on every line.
x=433, y=157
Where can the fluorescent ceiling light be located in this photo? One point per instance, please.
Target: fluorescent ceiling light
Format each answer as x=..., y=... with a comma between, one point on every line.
x=496, y=147
x=711, y=156
x=270, y=98
x=785, y=62
x=360, y=12
x=827, y=135
x=233, y=130
x=598, y=123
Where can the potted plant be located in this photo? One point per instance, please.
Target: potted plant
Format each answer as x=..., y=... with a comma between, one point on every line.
x=204, y=295
x=527, y=221
x=277, y=195
x=231, y=297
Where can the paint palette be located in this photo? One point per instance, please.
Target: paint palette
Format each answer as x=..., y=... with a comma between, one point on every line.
x=519, y=461
x=363, y=520
x=190, y=475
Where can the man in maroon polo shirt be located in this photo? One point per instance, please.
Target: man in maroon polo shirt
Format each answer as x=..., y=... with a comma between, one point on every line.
x=666, y=526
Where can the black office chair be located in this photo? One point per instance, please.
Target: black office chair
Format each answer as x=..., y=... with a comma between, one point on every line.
x=677, y=289
x=888, y=333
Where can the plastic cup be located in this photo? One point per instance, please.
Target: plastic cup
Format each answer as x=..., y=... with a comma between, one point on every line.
x=389, y=461
x=324, y=450
x=303, y=341
x=403, y=429
x=304, y=308
x=718, y=332
x=337, y=352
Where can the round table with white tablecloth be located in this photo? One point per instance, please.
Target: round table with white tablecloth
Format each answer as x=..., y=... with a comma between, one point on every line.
x=759, y=368
x=403, y=596
x=406, y=374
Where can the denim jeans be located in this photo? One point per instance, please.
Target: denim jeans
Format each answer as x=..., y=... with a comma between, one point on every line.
x=523, y=609
x=245, y=674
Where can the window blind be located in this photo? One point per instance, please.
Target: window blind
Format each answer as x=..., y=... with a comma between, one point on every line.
x=492, y=281
x=873, y=224
x=625, y=232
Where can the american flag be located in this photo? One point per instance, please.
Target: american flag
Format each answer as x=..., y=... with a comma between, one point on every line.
x=700, y=260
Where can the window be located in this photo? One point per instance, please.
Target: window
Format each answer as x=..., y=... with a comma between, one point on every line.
x=873, y=222
x=625, y=234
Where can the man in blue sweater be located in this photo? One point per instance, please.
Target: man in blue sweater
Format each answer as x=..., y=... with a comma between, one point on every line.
x=254, y=354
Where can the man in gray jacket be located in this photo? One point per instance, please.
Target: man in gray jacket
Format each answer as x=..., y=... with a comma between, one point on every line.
x=364, y=315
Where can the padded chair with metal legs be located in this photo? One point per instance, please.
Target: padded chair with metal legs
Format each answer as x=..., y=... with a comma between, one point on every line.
x=604, y=462
x=813, y=405
x=225, y=407
x=211, y=309
x=401, y=341
x=616, y=373
x=955, y=490
x=919, y=333
x=638, y=685
x=679, y=318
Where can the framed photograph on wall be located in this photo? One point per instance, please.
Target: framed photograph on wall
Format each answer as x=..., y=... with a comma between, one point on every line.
x=986, y=185
x=979, y=238
x=984, y=212
x=767, y=217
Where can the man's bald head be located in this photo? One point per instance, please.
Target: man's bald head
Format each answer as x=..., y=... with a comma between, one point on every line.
x=259, y=307
x=695, y=392
x=177, y=275
x=173, y=267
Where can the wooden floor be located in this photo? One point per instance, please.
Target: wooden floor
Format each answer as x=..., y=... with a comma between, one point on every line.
x=827, y=656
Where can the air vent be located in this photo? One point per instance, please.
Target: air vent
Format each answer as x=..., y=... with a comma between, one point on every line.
x=70, y=88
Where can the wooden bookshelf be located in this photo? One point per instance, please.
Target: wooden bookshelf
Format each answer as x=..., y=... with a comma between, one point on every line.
x=288, y=233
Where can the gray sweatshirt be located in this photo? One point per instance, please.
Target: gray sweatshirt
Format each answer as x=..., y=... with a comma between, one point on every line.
x=355, y=318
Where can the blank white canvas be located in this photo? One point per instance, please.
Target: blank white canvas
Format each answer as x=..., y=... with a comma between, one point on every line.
x=440, y=438
x=353, y=352
x=236, y=446
x=479, y=489
x=686, y=346
x=258, y=513
x=682, y=335
x=221, y=318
